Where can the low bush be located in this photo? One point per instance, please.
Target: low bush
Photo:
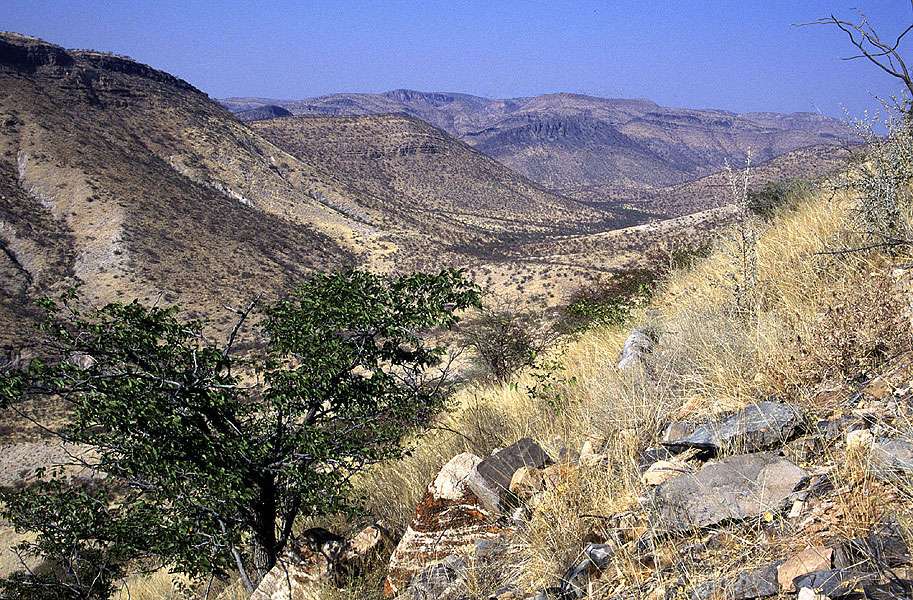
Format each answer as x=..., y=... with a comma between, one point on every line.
x=766, y=201
x=611, y=299
x=506, y=339
x=857, y=330
x=883, y=181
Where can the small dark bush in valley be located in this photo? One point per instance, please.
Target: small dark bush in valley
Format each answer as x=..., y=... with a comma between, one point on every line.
x=664, y=259
x=609, y=300
x=765, y=202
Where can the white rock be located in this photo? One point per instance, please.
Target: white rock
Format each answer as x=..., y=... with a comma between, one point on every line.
x=860, y=438
x=460, y=473
x=810, y=594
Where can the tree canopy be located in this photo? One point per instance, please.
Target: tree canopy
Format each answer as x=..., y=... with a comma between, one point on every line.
x=206, y=455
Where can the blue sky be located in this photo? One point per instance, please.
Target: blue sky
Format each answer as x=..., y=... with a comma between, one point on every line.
x=735, y=55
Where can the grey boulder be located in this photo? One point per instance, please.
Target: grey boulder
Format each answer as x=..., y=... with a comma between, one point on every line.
x=743, y=586
x=757, y=427
x=735, y=488
x=894, y=454
x=499, y=468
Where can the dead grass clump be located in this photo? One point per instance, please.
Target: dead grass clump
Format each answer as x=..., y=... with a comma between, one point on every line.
x=574, y=512
x=808, y=318
x=861, y=324
x=158, y=585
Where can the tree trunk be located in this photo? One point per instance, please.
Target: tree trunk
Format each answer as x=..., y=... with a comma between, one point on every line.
x=264, y=545
x=264, y=557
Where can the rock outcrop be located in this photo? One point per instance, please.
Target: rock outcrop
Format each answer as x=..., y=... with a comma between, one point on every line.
x=458, y=508
x=295, y=575
x=758, y=427
x=637, y=347
x=314, y=557
x=499, y=468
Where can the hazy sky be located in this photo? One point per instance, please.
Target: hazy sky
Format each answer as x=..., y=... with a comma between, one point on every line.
x=736, y=55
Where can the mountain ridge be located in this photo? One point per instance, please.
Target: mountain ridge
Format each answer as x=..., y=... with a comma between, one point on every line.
x=565, y=140
x=140, y=186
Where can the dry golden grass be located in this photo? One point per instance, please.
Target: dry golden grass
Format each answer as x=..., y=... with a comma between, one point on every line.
x=711, y=357
x=160, y=584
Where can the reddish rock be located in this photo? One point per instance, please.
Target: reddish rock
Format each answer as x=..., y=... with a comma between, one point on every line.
x=448, y=521
x=527, y=481
x=808, y=561
x=662, y=471
x=294, y=576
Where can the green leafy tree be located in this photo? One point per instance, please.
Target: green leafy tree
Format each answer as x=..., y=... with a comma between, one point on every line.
x=207, y=458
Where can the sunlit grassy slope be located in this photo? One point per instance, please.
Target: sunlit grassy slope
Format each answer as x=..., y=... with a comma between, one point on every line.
x=767, y=315
x=795, y=324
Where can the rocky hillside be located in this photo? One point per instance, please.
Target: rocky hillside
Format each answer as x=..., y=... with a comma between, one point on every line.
x=567, y=141
x=136, y=184
x=737, y=438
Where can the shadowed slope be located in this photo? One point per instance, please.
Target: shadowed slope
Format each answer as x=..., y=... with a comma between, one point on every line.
x=140, y=186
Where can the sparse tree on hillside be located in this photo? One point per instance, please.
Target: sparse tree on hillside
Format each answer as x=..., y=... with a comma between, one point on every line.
x=505, y=339
x=207, y=458
x=882, y=183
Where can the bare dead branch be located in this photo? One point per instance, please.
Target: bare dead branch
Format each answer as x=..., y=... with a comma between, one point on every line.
x=888, y=241
x=241, y=318
x=865, y=38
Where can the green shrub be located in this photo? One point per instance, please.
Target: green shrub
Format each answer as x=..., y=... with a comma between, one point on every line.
x=610, y=299
x=774, y=195
x=207, y=458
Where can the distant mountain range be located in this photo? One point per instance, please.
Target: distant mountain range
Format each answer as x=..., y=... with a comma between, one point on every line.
x=568, y=141
x=138, y=185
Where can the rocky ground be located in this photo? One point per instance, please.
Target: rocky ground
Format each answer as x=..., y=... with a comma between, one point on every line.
x=773, y=500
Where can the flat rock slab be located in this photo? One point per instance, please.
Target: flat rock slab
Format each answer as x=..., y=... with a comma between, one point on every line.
x=884, y=549
x=757, y=427
x=443, y=581
x=499, y=468
x=834, y=583
x=734, y=488
x=746, y=585
x=810, y=560
x=894, y=454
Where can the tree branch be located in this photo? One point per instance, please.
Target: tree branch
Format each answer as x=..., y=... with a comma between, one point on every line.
x=867, y=41
x=243, y=316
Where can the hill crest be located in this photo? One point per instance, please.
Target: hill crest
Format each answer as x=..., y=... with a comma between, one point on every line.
x=566, y=141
